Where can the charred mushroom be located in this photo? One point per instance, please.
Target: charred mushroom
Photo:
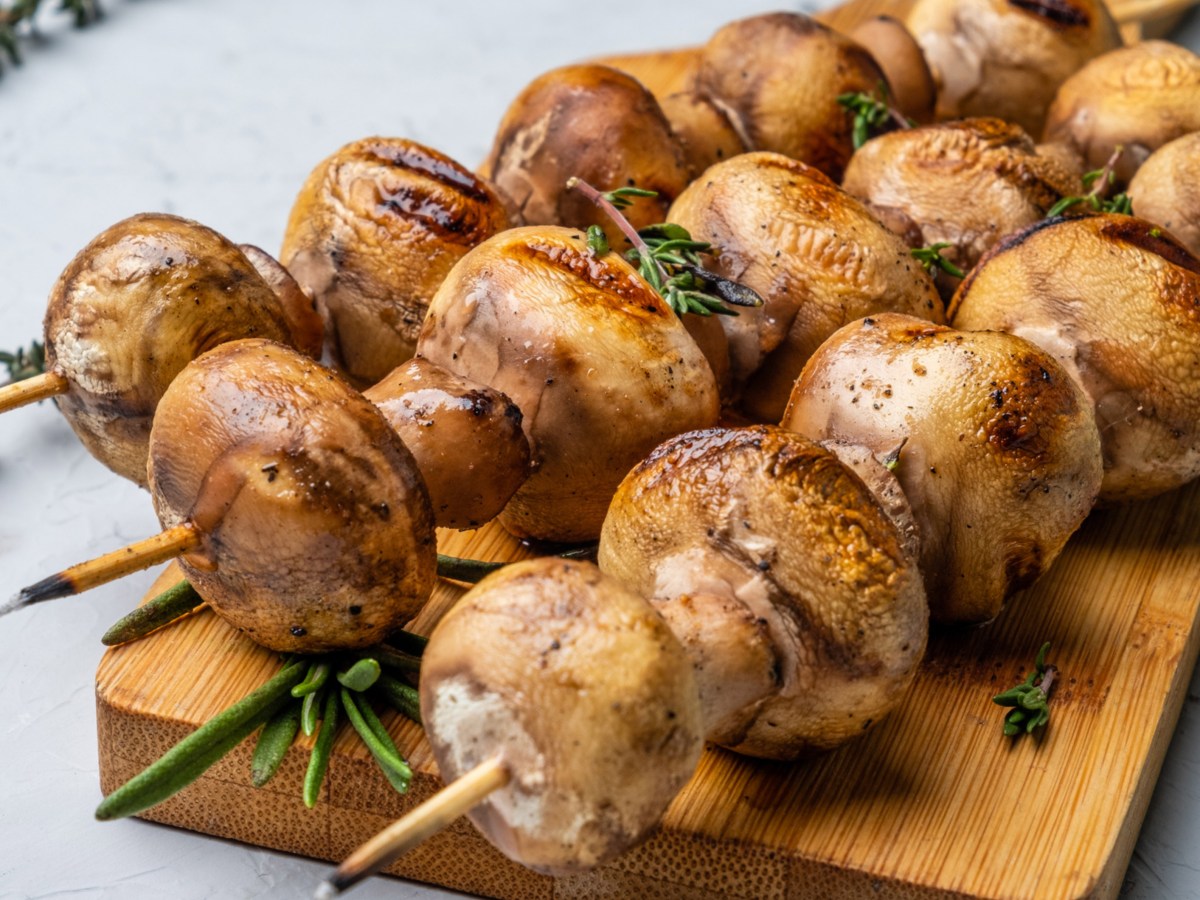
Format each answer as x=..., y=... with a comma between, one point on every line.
x=593, y=123
x=1000, y=458
x=598, y=364
x=466, y=439
x=966, y=184
x=374, y=230
x=706, y=136
x=788, y=583
x=814, y=254
x=134, y=307
x=1113, y=298
x=1006, y=58
x=1139, y=98
x=778, y=78
x=314, y=528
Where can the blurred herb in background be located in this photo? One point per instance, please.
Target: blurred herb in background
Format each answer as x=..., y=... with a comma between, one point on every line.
x=18, y=22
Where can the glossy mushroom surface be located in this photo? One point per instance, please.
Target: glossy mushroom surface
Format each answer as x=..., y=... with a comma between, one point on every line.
x=373, y=231
x=466, y=439
x=316, y=530
x=1000, y=459
x=910, y=83
x=966, y=184
x=1114, y=299
x=1137, y=98
x=600, y=367
x=301, y=310
x=1006, y=58
x=594, y=123
x=136, y=305
x=585, y=694
x=778, y=76
x=1166, y=190
x=816, y=256
x=788, y=582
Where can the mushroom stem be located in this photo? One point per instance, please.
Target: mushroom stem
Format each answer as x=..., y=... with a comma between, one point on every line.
x=30, y=390
x=132, y=558
x=426, y=820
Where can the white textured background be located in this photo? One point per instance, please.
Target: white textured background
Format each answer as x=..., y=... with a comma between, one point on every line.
x=217, y=111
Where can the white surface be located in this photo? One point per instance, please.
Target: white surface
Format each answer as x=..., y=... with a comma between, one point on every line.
x=217, y=110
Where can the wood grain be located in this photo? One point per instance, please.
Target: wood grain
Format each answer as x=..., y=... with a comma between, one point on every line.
x=933, y=803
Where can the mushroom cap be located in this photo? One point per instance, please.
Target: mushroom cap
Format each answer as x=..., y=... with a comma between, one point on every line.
x=300, y=310
x=1138, y=97
x=134, y=307
x=466, y=439
x=899, y=55
x=374, y=230
x=594, y=123
x=706, y=136
x=1166, y=190
x=1002, y=459
x=816, y=256
x=966, y=184
x=315, y=526
x=1006, y=58
x=586, y=694
x=601, y=368
x=778, y=77
x=780, y=532
x=1114, y=299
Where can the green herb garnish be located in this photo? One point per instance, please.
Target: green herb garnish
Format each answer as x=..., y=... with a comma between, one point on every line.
x=1030, y=698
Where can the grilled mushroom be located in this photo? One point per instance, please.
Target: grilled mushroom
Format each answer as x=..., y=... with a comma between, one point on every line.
x=1166, y=190
x=374, y=230
x=1113, y=298
x=1000, y=459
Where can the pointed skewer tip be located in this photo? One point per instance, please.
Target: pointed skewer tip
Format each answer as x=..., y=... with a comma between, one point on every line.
x=47, y=589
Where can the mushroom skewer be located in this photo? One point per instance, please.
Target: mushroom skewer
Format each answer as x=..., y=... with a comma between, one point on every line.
x=136, y=305
x=300, y=515
x=774, y=676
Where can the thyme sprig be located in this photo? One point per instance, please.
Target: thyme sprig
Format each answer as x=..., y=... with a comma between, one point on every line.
x=24, y=363
x=19, y=18
x=667, y=257
x=872, y=114
x=1098, y=181
x=1030, y=698
x=931, y=258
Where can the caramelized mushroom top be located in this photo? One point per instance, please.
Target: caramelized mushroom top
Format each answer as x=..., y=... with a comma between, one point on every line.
x=136, y=305
x=1138, y=98
x=374, y=230
x=1000, y=458
x=600, y=367
x=778, y=77
x=315, y=525
x=1006, y=58
x=594, y=123
x=1166, y=190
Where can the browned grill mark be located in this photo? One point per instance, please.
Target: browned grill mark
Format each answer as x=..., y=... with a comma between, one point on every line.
x=440, y=168
x=1058, y=12
x=595, y=272
x=1151, y=238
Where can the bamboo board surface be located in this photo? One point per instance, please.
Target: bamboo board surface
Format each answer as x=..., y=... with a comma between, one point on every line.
x=933, y=803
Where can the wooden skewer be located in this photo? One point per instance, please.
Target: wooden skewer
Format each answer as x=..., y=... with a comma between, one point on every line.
x=30, y=390
x=111, y=566
x=426, y=820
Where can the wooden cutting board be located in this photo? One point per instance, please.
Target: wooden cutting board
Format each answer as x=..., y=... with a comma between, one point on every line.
x=933, y=803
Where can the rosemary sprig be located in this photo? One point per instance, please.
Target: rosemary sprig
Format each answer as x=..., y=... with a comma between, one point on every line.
x=20, y=17
x=24, y=363
x=1029, y=699
x=668, y=258
x=931, y=258
x=295, y=700
x=1098, y=181
x=872, y=114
